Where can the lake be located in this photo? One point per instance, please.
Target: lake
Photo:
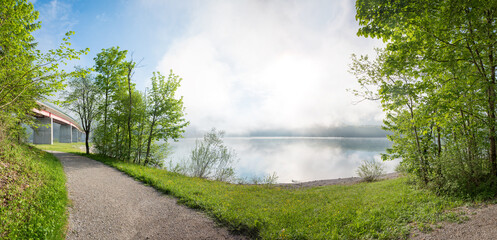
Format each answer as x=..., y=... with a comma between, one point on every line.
x=295, y=158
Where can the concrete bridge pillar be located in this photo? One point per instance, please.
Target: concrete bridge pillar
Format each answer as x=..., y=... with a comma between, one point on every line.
x=74, y=134
x=43, y=134
x=65, y=133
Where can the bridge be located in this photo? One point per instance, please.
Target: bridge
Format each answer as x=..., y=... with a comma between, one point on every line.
x=48, y=114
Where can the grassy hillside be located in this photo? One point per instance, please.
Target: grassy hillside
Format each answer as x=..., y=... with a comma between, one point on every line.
x=33, y=196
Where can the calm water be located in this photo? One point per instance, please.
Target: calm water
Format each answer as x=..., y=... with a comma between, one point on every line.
x=301, y=159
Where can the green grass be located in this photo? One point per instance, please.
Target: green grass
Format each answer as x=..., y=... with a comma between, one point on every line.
x=63, y=147
x=385, y=210
x=33, y=196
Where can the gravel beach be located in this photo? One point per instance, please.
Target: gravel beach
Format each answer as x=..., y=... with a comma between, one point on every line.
x=347, y=181
x=107, y=204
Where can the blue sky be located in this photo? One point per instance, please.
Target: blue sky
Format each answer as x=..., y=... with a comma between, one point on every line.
x=245, y=64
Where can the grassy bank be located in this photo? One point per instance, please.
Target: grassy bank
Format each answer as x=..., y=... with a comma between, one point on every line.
x=386, y=209
x=63, y=147
x=33, y=196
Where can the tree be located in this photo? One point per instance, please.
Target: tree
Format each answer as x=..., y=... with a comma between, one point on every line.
x=122, y=121
x=130, y=66
x=126, y=112
x=211, y=158
x=401, y=98
x=26, y=74
x=140, y=118
x=165, y=112
x=84, y=100
x=111, y=69
x=436, y=80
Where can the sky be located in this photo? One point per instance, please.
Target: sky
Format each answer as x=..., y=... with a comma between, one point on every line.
x=245, y=65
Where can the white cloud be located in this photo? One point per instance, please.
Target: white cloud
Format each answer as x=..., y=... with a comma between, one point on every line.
x=264, y=64
x=245, y=64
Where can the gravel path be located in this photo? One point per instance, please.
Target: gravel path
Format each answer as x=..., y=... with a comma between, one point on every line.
x=482, y=225
x=107, y=204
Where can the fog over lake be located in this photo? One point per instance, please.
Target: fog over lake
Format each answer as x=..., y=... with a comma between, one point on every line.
x=296, y=158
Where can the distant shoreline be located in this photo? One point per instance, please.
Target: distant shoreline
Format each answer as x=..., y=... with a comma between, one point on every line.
x=286, y=137
x=365, y=131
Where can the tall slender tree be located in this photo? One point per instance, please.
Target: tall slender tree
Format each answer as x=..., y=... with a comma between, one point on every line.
x=111, y=71
x=83, y=98
x=130, y=66
x=165, y=111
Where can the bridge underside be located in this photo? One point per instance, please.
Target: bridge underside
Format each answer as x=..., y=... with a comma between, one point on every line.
x=43, y=133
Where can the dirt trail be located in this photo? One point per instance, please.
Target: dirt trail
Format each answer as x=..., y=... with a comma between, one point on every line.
x=107, y=204
x=482, y=225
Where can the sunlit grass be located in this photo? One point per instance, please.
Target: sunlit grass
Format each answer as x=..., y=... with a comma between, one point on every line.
x=385, y=209
x=33, y=196
x=63, y=147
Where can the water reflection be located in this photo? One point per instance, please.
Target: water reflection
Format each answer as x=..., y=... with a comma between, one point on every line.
x=301, y=159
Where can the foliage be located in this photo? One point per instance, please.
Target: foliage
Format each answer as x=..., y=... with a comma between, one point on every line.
x=110, y=66
x=160, y=153
x=436, y=83
x=27, y=74
x=211, y=158
x=131, y=122
x=83, y=98
x=370, y=170
x=33, y=196
x=165, y=113
x=117, y=126
x=385, y=210
x=268, y=180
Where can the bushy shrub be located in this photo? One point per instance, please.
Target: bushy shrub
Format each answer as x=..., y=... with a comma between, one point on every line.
x=465, y=175
x=179, y=168
x=159, y=152
x=211, y=158
x=268, y=180
x=370, y=170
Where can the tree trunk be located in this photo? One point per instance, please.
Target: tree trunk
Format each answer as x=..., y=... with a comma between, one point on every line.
x=19, y=139
x=130, y=69
x=491, y=115
x=139, y=148
x=147, y=155
x=118, y=149
x=471, y=140
x=87, y=137
x=104, y=142
x=422, y=161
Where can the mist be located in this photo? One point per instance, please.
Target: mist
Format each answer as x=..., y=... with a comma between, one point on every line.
x=256, y=66
x=246, y=65
x=342, y=131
